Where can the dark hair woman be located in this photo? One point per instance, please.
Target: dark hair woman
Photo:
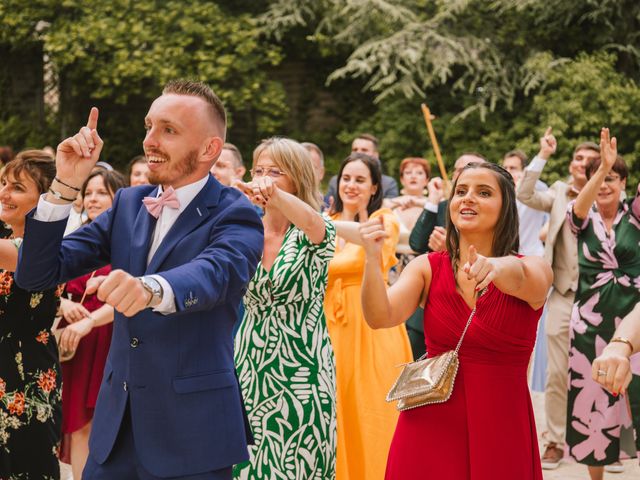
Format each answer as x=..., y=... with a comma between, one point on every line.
x=490, y=408
x=365, y=359
x=87, y=331
x=30, y=386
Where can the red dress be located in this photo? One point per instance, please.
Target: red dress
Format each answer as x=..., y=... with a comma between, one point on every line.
x=82, y=375
x=486, y=430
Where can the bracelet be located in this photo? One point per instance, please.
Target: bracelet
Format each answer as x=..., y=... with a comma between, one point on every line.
x=623, y=340
x=59, y=196
x=66, y=184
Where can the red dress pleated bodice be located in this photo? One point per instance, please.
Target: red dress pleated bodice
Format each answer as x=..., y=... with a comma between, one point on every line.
x=486, y=430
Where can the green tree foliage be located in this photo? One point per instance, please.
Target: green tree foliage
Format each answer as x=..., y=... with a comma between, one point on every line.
x=494, y=72
x=118, y=54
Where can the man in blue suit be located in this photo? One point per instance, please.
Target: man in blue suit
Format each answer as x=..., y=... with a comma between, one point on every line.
x=182, y=254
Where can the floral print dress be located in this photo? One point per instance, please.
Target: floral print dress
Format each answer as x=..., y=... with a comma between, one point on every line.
x=30, y=386
x=608, y=289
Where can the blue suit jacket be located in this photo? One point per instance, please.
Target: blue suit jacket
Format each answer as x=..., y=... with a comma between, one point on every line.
x=176, y=371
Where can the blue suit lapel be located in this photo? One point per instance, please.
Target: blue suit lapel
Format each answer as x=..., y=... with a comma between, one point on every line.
x=142, y=234
x=190, y=219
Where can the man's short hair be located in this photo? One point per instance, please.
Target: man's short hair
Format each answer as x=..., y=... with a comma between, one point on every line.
x=371, y=138
x=312, y=146
x=587, y=146
x=237, y=156
x=517, y=153
x=200, y=90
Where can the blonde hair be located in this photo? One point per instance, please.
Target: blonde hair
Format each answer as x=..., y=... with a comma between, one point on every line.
x=293, y=159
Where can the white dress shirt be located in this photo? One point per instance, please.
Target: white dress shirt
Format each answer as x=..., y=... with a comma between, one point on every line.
x=51, y=212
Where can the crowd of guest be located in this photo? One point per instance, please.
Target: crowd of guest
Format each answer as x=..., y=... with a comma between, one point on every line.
x=348, y=285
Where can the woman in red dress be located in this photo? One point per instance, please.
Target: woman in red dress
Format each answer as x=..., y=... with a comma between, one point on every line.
x=486, y=430
x=87, y=333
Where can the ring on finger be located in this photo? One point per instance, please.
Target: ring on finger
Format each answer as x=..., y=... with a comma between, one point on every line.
x=601, y=373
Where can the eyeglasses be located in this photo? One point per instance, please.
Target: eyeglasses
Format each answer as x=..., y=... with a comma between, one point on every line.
x=611, y=178
x=272, y=172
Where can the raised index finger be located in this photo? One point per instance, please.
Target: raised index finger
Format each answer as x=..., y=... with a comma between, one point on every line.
x=548, y=131
x=92, y=123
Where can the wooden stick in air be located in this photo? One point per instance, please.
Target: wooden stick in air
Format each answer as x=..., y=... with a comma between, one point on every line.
x=436, y=148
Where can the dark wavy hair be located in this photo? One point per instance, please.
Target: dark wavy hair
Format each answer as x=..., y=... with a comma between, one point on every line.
x=375, y=202
x=506, y=240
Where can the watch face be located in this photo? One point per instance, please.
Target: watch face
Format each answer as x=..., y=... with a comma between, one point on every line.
x=153, y=285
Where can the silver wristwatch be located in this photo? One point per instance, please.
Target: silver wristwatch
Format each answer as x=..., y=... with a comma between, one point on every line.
x=152, y=286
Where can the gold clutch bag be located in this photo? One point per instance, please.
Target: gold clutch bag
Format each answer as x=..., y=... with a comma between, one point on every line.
x=428, y=380
x=425, y=381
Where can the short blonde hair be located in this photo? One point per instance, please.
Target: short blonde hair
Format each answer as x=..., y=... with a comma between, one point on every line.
x=293, y=159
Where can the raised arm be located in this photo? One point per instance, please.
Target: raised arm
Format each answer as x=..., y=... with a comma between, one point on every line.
x=526, y=189
x=263, y=191
x=42, y=262
x=75, y=158
x=526, y=278
x=608, y=154
x=612, y=369
x=382, y=308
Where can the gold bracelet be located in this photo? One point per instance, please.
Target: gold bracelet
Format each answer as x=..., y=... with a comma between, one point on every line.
x=623, y=340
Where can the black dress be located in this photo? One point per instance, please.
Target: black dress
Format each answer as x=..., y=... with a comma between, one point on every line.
x=30, y=382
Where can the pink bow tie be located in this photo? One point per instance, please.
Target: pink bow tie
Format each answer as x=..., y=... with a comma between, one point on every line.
x=155, y=205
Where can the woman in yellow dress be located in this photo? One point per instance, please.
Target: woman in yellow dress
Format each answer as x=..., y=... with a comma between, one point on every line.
x=366, y=359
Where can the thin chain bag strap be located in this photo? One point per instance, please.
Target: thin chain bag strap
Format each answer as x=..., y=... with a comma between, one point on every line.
x=466, y=327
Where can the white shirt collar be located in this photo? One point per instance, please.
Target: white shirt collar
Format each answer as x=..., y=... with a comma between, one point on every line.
x=188, y=192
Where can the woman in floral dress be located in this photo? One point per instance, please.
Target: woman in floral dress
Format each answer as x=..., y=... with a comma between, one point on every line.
x=283, y=352
x=30, y=387
x=608, y=289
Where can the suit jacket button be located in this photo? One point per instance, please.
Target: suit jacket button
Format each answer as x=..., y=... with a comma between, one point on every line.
x=134, y=342
x=125, y=387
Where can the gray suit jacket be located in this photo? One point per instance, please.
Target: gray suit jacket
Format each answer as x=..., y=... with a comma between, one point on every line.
x=561, y=247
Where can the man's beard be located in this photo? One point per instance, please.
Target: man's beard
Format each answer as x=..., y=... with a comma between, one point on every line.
x=177, y=170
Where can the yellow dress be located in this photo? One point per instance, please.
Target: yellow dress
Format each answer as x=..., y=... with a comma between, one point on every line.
x=366, y=361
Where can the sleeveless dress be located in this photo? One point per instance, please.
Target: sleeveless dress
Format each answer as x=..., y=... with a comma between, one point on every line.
x=489, y=415
x=82, y=374
x=285, y=364
x=366, y=362
x=30, y=384
x=608, y=289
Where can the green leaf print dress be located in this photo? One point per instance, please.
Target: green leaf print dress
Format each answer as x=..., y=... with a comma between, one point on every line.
x=286, y=366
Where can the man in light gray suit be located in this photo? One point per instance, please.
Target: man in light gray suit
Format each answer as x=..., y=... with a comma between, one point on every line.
x=561, y=251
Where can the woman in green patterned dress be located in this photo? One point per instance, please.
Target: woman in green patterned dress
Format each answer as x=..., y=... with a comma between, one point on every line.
x=30, y=386
x=283, y=353
x=608, y=289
